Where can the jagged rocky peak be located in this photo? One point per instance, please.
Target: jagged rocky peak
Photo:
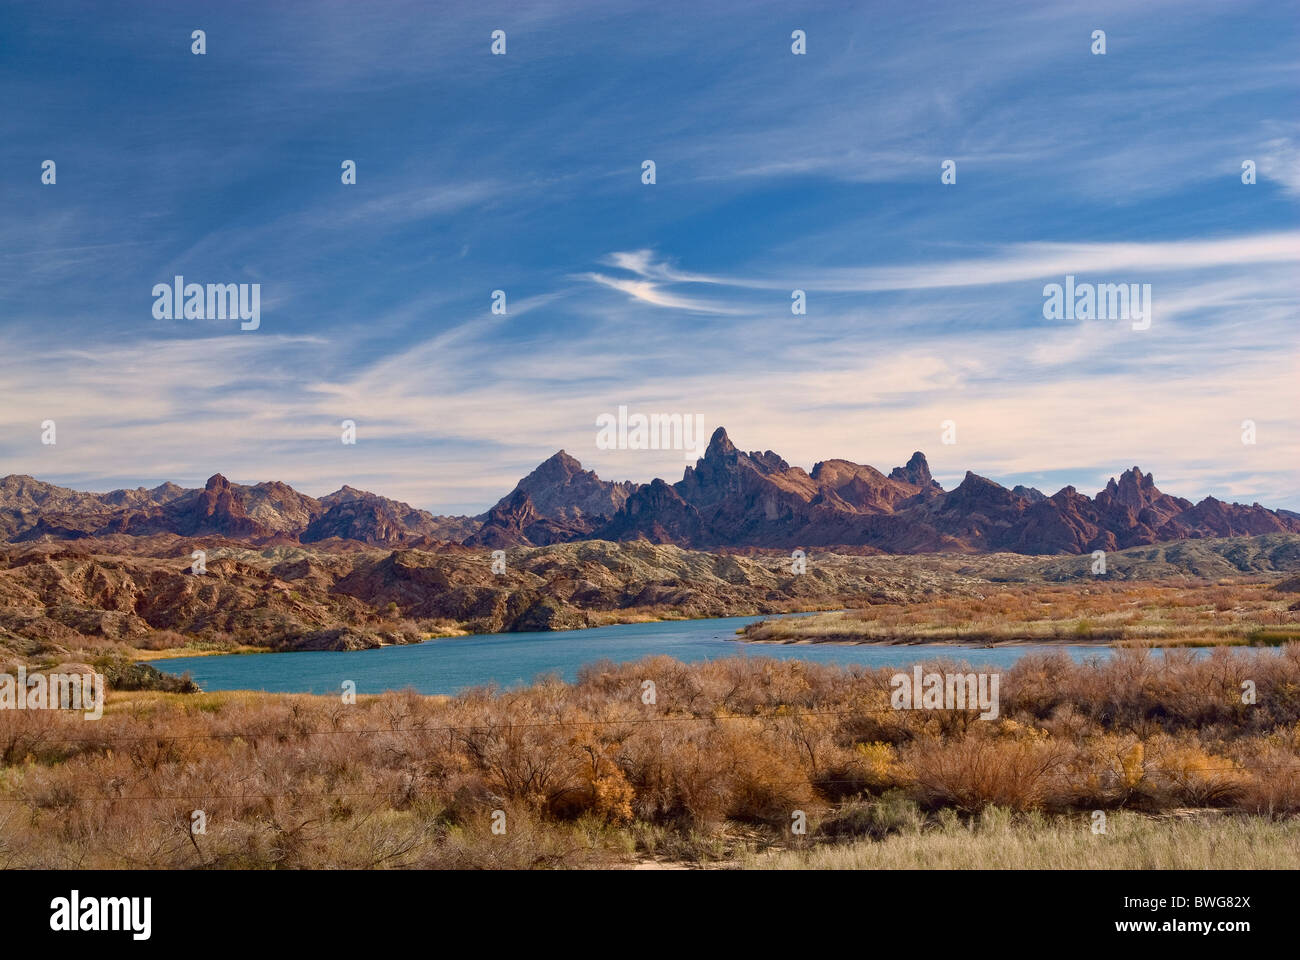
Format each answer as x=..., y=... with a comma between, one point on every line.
x=561, y=489
x=218, y=495
x=1131, y=479
x=720, y=444
x=916, y=471
x=557, y=466
x=717, y=471
x=1032, y=494
x=975, y=492
x=721, y=452
x=1134, y=490
x=973, y=481
x=343, y=494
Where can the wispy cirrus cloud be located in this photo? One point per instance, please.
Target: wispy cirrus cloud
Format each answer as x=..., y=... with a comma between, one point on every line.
x=658, y=294
x=1038, y=259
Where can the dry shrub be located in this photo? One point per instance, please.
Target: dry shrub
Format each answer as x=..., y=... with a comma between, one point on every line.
x=1273, y=786
x=764, y=774
x=1185, y=773
x=163, y=640
x=1102, y=771
x=982, y=771
x=588, y=770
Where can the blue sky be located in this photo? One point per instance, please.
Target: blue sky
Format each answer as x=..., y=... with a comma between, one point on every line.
x=774, y=172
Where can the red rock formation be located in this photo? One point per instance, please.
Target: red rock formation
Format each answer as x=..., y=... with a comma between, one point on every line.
x=728, y=499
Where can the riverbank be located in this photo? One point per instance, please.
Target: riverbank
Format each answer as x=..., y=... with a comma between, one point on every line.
x=1221, y=613
x=976, y=642
x=597, y=623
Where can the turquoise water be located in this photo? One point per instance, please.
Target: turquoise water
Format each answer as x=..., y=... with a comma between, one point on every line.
x=513, y=659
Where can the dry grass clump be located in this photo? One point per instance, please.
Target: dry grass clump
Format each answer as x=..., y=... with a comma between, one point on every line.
x=1000, y=840
x=722, y=758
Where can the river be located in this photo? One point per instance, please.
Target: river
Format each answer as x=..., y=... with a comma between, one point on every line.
x=449, y=665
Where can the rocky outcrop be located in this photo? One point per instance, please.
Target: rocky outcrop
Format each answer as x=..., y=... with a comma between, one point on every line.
x=733, y=498
x=658, y=513
x=365, y=520
x=916, y=472
x=515, y=521
x=560, y=489
x=217, y=509
x=1032, y=494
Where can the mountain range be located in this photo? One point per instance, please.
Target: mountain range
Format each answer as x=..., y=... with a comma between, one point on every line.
x=729, y=499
